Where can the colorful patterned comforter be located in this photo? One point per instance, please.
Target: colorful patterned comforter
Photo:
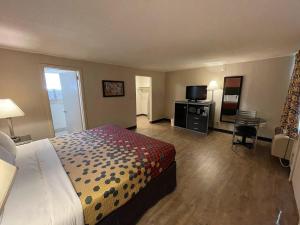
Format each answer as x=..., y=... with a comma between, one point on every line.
x=109, y=165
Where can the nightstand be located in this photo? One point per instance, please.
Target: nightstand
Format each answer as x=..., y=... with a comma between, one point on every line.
x=22, y=140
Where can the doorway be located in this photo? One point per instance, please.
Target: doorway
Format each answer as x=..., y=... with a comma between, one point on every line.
x=143, y=100
x=64, y=94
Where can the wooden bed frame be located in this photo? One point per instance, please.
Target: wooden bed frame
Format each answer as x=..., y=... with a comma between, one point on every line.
x=156, y=189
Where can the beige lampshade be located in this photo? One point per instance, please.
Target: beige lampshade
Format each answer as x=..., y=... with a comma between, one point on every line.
x=9, y=109
x=7, y=176
x=213, y=85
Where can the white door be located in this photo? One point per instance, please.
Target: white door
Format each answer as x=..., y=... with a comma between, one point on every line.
x=71, y=100
x=145, y=101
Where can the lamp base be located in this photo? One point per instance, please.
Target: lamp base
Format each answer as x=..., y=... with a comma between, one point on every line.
x=11, y=127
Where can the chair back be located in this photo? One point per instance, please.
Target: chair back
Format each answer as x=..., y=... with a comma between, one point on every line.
x=251, y=114
x=247, y=118
x=253, y=122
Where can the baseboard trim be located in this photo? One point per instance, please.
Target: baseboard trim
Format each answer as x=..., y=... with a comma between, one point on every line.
x=161, y=120
x=230, y=132
x=215, y=129
x=131, y=128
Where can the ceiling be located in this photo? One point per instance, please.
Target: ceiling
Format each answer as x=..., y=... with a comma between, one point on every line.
x=161, y=35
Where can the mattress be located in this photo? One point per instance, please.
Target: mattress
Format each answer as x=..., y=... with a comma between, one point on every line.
x=42, y=192
x=109, y=165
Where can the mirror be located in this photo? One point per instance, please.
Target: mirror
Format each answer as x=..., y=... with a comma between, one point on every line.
x=231, y=98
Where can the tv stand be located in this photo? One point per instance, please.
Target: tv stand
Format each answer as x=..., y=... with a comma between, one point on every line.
x=197, y=101
x=194, y=115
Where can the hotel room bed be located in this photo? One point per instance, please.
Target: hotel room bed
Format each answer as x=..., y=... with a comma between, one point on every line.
x=106, y=175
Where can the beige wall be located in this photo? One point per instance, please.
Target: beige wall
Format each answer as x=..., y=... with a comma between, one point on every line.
x=21, y=80
x=264, y=89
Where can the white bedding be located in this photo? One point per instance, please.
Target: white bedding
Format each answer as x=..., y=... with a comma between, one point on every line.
x=42, y=193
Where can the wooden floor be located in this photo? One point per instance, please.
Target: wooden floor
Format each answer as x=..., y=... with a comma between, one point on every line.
x=217, y=186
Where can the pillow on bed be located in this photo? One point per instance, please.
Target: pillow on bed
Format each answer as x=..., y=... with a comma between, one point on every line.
x=7, y=177
x=7, y=156
x=7, y=143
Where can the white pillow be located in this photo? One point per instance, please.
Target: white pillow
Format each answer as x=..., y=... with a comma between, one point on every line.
x=7, y=176
x=7, y=156
x=7, y=143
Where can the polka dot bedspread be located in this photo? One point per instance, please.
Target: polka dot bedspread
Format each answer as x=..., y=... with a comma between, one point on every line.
x=109, y=165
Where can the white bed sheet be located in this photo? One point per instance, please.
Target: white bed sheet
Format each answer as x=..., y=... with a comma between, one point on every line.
x=42, y=193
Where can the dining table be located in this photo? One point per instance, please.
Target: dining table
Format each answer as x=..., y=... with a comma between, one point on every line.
x=247, y=121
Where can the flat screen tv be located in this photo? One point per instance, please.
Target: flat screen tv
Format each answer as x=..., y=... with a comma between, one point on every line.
x=195, y=93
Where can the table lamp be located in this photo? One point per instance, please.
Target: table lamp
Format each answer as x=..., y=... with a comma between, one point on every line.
x=8, y=110
x=213, y=85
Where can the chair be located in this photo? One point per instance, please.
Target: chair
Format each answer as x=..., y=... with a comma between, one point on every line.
x=251, y=114
x=245, y=125
x=282, y=144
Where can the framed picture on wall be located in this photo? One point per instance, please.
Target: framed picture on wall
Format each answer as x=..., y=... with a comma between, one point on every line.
x=112, y=88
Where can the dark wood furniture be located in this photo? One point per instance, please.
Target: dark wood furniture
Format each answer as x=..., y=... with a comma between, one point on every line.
x=180, y=114
x=196, y=116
